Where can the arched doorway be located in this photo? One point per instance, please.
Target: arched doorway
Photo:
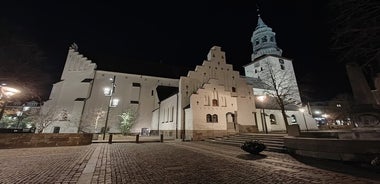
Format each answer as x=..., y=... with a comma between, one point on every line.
x=231, y=123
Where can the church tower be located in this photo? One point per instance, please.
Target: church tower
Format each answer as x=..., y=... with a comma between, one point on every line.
x=268, y=63
x=264, y=41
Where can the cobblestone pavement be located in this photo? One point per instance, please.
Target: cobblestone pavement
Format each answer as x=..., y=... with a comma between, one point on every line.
x=174, y=162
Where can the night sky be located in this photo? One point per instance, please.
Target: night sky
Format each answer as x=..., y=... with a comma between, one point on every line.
x=117, y=35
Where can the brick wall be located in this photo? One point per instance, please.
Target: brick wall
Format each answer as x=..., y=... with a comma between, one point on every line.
x=28, y=140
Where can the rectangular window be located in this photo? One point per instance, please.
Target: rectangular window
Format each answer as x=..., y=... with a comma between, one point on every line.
x=56, y=130
x=134, y=102
x=135, y=84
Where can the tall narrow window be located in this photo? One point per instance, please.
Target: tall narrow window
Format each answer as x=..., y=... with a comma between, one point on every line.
x=294, y=119
x=207, y=101
x=233, y=89
x=172, y=114
x=208, y=118
x=282, y=67
x=215, y=118
x=272, y=118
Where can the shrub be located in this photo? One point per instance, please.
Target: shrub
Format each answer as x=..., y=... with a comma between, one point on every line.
x=253, y=146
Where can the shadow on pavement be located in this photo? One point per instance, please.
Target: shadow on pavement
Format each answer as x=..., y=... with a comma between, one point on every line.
x=251, y=156
x=350, y=168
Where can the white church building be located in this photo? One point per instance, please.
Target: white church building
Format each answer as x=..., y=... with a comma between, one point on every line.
x=212, y=100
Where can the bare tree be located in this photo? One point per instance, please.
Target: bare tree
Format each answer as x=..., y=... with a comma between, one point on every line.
x=44, y=119
x=281, y=86
x=355, y=33
x=90, y=120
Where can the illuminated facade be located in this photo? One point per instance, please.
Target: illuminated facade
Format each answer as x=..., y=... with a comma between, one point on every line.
x=212, y=100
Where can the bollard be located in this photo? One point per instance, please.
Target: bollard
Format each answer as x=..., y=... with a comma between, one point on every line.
x=162, y=138
x=110, y=139
x=137, y=138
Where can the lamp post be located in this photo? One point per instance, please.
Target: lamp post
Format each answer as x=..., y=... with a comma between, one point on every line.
x=304, y=119
x=263, y=120
x=6, y=93
x=108, y=92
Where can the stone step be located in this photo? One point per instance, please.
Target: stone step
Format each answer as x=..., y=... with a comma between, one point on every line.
x=274, y=148
x=253, y=138
x=263, y=141
x=273, y=142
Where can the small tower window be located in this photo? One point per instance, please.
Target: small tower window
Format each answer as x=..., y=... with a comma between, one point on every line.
x=264, y=39
x=261, y=68
x=272, y=38
x=282, y=67
x=281, y=61
x=233, y=89
x=255, y=71
x=257, y=42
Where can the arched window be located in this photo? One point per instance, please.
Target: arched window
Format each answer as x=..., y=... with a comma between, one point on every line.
x=264, y=39
x=272, y=118
x=294, y=119
x=233, y=89
x=208, y=118
x=215, y=118
x=282, y=67
x=272, y=38
x=215, y=102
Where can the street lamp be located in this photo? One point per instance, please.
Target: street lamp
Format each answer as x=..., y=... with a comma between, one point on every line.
x=263, y=120
x=304, y=119
x=6, y=93
x=108, y=92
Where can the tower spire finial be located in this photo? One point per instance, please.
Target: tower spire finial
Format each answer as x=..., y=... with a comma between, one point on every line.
x=258, y=9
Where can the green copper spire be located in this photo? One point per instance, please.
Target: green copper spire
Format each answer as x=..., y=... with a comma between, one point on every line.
x=264, y=40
